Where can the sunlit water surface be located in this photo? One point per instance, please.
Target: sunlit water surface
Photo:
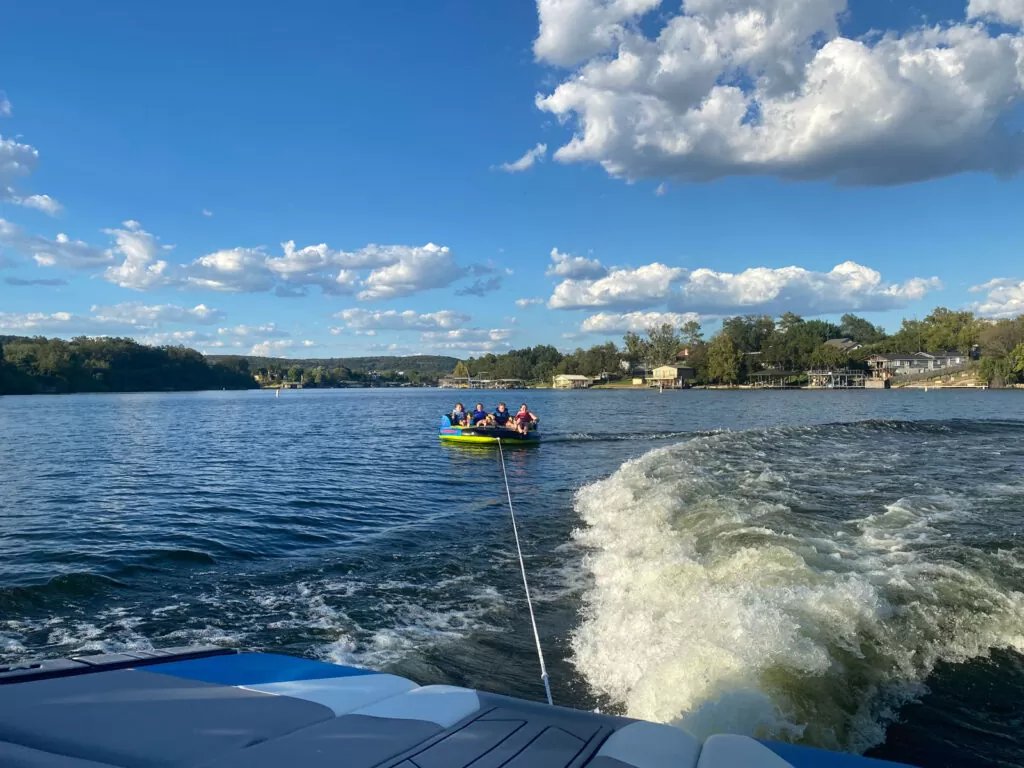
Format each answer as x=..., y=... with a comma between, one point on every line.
x=834, y=568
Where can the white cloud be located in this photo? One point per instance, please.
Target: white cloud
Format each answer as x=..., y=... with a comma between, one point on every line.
x=207, y=213
x=37, y=322
x=530, y=302
x=138, y=315
x=770, y=87
x=1010, y=12
x=661, y=190
x=18, y=160
x=846, y=287
x=62, y=251
x=573, y=30
x=470, y=340
x=128, y=317
x=527, y=161
x=617, y=323
x=566, y=265
x=245, y=333
x=368, y=320
x=1005, y=298
x=642, y=286
x=175, y=339
x=141, y=269
x=233, y=270
x=417, y=269
x=279, y=347
x=43, y=203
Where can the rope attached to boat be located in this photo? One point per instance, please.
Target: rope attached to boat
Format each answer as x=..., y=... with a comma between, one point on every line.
x=526, y=584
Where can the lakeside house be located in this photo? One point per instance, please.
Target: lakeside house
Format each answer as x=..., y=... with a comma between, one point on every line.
x=884, y=366
x=670, y=376
x=844, y=344
x=571, y=381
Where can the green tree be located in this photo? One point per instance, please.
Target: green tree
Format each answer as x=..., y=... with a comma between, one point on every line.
x=723, y=359
x=692, y=335
x=638, y=349
x=663, y=342
x=461, y=370
x=748, y=333
x=860, y=330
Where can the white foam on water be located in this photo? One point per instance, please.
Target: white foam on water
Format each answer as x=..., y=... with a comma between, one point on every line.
x=715, y=606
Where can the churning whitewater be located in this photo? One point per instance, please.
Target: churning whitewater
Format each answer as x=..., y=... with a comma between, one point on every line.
x=802, y=582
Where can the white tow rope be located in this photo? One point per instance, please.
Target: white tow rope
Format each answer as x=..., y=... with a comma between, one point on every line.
x=526, y=584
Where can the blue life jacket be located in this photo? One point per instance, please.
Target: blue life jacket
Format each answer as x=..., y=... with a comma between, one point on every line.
x=501, y=418
x=457, y=417
x=479, y=416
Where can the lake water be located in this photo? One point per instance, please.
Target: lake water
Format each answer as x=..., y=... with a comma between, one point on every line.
x=844, y=569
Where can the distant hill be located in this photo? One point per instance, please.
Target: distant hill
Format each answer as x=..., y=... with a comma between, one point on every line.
x=428, y=365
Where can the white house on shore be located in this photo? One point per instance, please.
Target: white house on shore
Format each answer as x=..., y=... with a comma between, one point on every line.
x=571, y=381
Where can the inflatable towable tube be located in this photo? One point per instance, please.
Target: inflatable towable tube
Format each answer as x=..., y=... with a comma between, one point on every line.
x=484, y=435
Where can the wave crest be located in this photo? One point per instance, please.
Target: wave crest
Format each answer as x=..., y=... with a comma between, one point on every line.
x=745, y=582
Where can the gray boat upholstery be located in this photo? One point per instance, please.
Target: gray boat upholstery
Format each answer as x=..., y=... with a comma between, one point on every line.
x=226, y=710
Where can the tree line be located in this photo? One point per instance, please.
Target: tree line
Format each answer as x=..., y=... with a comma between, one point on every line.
x=41, y=365
x=750, y=343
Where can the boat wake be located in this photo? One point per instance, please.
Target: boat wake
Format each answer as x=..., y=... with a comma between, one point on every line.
x=801, y=583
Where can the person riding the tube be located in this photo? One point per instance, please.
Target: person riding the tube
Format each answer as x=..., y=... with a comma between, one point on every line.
x=458, y=416
x=524, y=419
x=501, y=417
x=479, y=416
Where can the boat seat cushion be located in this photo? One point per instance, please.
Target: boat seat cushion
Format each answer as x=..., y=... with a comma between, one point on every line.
x=136, y=719
x=342, y=694
x=648, y=745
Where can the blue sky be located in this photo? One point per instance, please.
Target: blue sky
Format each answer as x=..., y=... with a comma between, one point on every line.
x=458, y=177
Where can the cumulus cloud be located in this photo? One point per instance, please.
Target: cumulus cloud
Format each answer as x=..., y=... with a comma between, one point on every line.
x=1010, y=12
x=642, y=286
x=846, y=287
x=1005, y=298
x=135, y=259
x=358, y=319
x=207, y=213
x=527, y=161
x=233, y=270
x=573, y=30
x=417, y=269
x=638, y=322
x=62, y=251
x=566, y=265
x=141, y=268
x=17, y=161
x=742, y=87
x=43, y=203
